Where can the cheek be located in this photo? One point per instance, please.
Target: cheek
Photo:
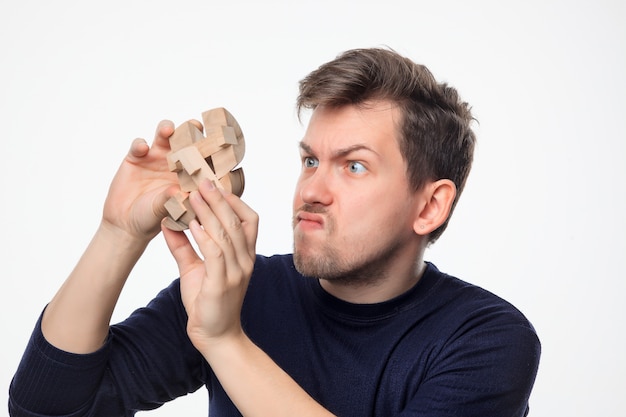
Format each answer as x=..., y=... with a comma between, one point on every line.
x=357, y=212
x=297, y=200
x=378, y=213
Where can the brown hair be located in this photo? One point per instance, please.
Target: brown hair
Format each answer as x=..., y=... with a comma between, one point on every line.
x=435, y=138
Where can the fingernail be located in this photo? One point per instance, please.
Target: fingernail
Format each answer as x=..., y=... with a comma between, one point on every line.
x=224, y=191
x=210, y=185
x=195, y=225
x=196, y=196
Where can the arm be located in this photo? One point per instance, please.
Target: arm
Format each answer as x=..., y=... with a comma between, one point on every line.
x=112, y=376
x=147, y=360
x=213, y=289
x=77, y=318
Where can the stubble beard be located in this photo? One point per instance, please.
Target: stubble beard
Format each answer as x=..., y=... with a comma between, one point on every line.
x=358, y=266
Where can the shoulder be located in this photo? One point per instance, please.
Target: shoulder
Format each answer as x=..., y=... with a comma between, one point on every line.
x=480, y=343
x=472, y=325
x=470, y=303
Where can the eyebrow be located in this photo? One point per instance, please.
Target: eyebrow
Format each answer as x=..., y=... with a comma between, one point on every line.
x=340, y=152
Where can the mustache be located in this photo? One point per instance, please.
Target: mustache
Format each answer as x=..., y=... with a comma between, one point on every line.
x=307, y=208
x=312, y=208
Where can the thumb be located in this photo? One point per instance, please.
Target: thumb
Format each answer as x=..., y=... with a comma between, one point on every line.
x=158, y=203
x=180, y=248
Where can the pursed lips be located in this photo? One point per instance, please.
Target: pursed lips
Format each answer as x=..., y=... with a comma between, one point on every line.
x=310, y=220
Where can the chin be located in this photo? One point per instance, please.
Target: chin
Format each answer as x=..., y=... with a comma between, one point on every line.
x=308, y=265
x=319, y=266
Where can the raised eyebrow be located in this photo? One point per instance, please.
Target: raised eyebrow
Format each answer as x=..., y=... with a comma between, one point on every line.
x=357, y=147
x=306, y=148
x=340, y=152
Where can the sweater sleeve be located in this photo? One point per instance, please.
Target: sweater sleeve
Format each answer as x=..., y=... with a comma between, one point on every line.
x=146, y=361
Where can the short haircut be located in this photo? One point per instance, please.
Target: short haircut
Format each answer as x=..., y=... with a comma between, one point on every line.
x=435, y=135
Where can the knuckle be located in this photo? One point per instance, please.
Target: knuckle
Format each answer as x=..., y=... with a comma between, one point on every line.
x=215, y=251
x=235, y=224
x=223, y=236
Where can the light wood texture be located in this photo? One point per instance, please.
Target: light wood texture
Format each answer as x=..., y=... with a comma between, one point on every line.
x=195, y=157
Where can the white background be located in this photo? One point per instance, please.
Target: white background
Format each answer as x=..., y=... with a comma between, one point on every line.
x=541, y=222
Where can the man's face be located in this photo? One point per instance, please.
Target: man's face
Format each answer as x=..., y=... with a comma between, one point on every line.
x=353, y=210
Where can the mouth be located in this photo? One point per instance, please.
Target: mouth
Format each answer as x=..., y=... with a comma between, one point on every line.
x=309, y=221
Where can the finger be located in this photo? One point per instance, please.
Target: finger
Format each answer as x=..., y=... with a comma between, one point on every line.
x=223, y=226
x=207, y=245
x=164, y=130
x=138, y=148
x=230, y=228
x=213, y=229
x=215, y=262
x=180, y=248
x=249, y=220
x=189, y=264
x=197, y=124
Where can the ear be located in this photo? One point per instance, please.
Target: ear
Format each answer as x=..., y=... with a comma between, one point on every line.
x=437, y=198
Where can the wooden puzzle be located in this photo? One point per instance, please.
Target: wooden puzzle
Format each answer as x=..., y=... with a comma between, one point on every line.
x=196, y=156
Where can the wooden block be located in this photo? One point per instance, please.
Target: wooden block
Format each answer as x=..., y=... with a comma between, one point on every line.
x=208, y=147
x=195, y=157
x=234, y=182
x=218, y=116
x=180, y=212
x=223, y=161
x=194, y=166
x=175, y=206
x=185, y=135
x=185, y=181
x=222, y=117
x=224, y=135
x=181, y=224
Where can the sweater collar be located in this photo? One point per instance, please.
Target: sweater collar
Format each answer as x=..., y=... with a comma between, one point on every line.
x=375, y=311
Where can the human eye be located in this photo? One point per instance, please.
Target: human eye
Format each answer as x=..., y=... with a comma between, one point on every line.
x=309, y=162
x=356, y=167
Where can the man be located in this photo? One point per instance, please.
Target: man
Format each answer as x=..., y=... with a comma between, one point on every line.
x=355, y=323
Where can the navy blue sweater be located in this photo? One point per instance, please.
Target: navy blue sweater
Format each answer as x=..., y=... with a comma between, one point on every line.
x=444, y=348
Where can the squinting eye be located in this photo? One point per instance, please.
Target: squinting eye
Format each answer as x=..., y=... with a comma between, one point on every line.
x=356, y=167
x=309, y=162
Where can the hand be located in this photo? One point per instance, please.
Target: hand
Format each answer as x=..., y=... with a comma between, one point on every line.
x=213, y=288
x=142, y=185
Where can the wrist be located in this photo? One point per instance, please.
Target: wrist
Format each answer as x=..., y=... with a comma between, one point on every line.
x=121, y=238
x=215, y=349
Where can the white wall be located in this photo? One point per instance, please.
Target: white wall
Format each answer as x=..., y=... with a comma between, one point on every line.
x=541, y=222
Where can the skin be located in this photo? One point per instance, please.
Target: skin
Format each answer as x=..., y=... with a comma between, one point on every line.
x=352, y=184
x=77, y=318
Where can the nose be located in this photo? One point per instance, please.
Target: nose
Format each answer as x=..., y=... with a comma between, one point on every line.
x=315, y=188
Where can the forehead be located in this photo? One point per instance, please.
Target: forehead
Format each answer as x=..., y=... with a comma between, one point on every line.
x=373, y=126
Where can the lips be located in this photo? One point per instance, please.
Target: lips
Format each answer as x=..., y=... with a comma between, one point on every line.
x=310, y=220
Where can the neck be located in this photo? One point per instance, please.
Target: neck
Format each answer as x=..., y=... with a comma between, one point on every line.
x=385, y=287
